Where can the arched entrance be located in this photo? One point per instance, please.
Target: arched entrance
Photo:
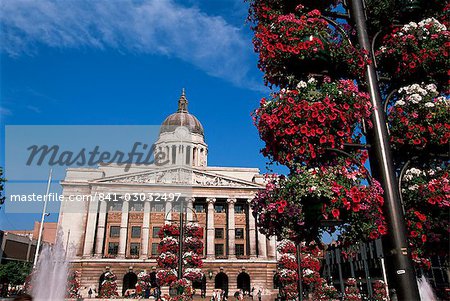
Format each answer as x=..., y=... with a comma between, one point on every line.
x=243, y=282
x=221, y=281
x=129, y=282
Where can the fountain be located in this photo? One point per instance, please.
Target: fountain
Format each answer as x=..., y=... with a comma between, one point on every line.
x=49, y=282
x=425, y=290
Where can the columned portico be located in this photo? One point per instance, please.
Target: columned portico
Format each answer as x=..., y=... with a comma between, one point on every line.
x=101, y=230
x=88, y=249
x=210, y=228
x=123, y=235
x=145, y=229
x=190, y=209
x=262, y=246
x=231, y=229
x=123, y=230
x=252, y=231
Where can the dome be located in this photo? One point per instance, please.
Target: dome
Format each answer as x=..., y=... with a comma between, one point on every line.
x=182, y=118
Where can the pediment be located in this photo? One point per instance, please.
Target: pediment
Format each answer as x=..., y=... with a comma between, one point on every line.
x=183, y=176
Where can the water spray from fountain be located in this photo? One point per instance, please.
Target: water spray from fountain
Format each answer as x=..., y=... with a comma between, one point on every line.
x=49, y=281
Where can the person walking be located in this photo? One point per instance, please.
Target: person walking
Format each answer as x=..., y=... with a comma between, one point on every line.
x=259, y=295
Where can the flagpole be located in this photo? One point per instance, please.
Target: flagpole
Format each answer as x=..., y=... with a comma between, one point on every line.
x=41, y=226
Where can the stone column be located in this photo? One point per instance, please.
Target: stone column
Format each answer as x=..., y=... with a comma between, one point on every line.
x=252, y=231
x=123, y=230
x=145, y=230
x=91, y=222
x=168, y=210
x=271, y=247
x=262, y=246
x=189, y=209
x=101, y=230
x=210, y=229
x=231, y=229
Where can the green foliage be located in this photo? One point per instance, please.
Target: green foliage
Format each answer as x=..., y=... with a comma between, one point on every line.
x=15, y=272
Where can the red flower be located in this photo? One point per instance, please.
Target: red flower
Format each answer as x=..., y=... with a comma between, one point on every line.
x=424, y=238
x=382, y=229
x=335, y=212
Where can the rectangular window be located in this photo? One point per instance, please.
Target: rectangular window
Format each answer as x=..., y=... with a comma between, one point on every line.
x=134, y=248
x=155, y=232
x=115, y=205
x=238, y=208
x=135, y=232
x=218, y=233
x=114, y=231
x=218, y=248
x=113, y=248
x=239, y=233
x=155, y=249
x=199, y=208
x=239, y=250
x=158, y=207
x=137, y=206
x=219, y=208
x=176, y=208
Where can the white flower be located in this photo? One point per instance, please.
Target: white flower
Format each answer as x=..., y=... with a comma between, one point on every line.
x=413, y=187
x=301, y=84
x=399, y=103
x=415, y=98
x=312, y=80
x=429, y=104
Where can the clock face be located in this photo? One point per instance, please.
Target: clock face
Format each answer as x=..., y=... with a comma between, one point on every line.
x=182, y=132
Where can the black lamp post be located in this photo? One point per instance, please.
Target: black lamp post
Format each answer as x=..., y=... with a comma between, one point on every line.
x=400, y=265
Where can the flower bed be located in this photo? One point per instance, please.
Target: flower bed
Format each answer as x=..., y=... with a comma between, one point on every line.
x=108, y=288
x=416, y=51
x=313, y=196
x=73, y=284
x=419, y=119
x=299, y=125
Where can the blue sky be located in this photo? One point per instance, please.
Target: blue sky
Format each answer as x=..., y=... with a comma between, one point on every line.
x=124, y=62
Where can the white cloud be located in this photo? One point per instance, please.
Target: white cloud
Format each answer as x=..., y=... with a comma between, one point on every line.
x=5, y=112
x=147, y=27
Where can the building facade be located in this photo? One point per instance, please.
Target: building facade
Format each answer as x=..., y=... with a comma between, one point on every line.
x=118, y=228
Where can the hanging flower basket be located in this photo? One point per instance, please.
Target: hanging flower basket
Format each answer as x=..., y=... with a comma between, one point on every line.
x=168, y=244
x=298, y=125
x=291, y=46
x=169, y=230
x=192, y=260
x=193, y=230
x=193, y=274
x=288, y=204
x=426, y=197
x=287, y=261
x=192, y=244
x=166, y=277
x=416, y=52
x=167, y=260
x=419, y=120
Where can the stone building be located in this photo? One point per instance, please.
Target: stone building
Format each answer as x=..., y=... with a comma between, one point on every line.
x=117, y=229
